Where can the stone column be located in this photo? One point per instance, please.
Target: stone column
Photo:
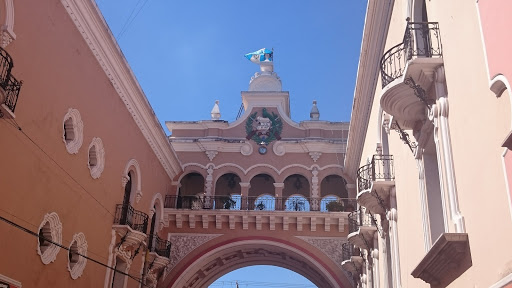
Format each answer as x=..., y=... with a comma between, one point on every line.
x=375, y=262
x=392, y=217
x=315, y=194
x=279, y=202
x=245, y=194
x=441, y=114
x=384, y=250
x=423, y=196
x=208, y=185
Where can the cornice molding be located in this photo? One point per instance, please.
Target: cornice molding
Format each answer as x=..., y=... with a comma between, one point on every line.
x=378, y=16
x=91, y=24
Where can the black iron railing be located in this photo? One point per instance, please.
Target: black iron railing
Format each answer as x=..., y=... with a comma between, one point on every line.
x=380, y=168
x=12, y=91
x=348, y=250
x=10, y=85
x=359, y=218
x=126, y=215
x=264, y=203
x=159, y=246
x=421, y=39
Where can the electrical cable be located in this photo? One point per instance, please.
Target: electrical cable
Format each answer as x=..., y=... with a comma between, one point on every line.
x=15, y=124
x=129, y=21
x=26, y=230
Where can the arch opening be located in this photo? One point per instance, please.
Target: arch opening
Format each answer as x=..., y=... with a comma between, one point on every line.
x=212, y=263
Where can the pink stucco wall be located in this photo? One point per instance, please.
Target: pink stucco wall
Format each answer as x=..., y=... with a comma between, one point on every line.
x=496, y=22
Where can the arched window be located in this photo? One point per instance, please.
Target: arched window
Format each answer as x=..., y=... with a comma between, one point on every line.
x=228, y=192
x=334, y=185
x=296, y=184
x=191, y=192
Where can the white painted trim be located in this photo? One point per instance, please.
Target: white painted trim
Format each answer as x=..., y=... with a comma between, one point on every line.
x=378, y=15
x=504, y=281
x=279, y=172
x=7, y=28
x=108, y=274
x=79, y=267
x=93, y=28
x=97, y=169
x=10, y=280
x=158, y=198
x=78, y=130
x=50, y=254
x=498, y=84
x=507, y=185
x=133, y=165
x=483, y=40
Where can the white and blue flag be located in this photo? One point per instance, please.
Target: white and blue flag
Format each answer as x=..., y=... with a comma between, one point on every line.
x=261, y=55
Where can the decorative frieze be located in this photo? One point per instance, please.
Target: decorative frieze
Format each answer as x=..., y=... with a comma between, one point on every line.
x=183, y=244
x=330, y=246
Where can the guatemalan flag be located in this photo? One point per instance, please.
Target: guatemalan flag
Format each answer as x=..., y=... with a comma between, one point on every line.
x=260, y=56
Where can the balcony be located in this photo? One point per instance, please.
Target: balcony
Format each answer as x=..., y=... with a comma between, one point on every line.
x=159, y=246
x=448, y=258
x=374, y=181
x=158, y=257
x=408, y=66
x=262, y=203
x=130, y=224
x=352, y=259
x=362, y=226
x=10, y=86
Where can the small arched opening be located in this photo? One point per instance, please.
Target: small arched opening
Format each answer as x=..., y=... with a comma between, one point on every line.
x=191, y=192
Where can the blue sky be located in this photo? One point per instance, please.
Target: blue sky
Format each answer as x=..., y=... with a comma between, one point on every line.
x=188, y=53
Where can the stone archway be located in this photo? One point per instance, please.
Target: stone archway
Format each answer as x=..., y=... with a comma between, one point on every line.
x=224, y=257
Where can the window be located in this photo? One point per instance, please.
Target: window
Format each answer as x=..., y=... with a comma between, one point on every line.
x=96, y=160
x=72, y=134
x=76, y=263
x=50, y=229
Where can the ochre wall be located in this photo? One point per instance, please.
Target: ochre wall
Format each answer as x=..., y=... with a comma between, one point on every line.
x=39, y=176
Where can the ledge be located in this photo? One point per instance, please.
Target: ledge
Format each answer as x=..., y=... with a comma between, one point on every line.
x=449, y=258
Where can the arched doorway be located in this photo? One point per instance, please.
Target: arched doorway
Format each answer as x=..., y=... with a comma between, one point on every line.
x=261, y=193
x=296, y=192
x=191, y=192
x=228, y=192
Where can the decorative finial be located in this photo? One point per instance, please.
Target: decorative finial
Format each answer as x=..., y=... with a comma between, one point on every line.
x=216, y=111
x=314, y=114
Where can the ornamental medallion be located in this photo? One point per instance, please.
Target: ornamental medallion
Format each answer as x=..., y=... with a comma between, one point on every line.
x=265, y=128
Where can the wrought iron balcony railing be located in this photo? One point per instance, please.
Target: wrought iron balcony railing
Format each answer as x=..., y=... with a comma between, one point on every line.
x=348, y=250
x=159, y=246
x=12, y=91
x=264, y=203
x=421, y=39
x=380, y=168
x=359, y=218
x=126, y=215
x=10, y=85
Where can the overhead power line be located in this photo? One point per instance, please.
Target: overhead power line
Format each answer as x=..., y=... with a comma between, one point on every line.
x=131, y=18
x=40, y=236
